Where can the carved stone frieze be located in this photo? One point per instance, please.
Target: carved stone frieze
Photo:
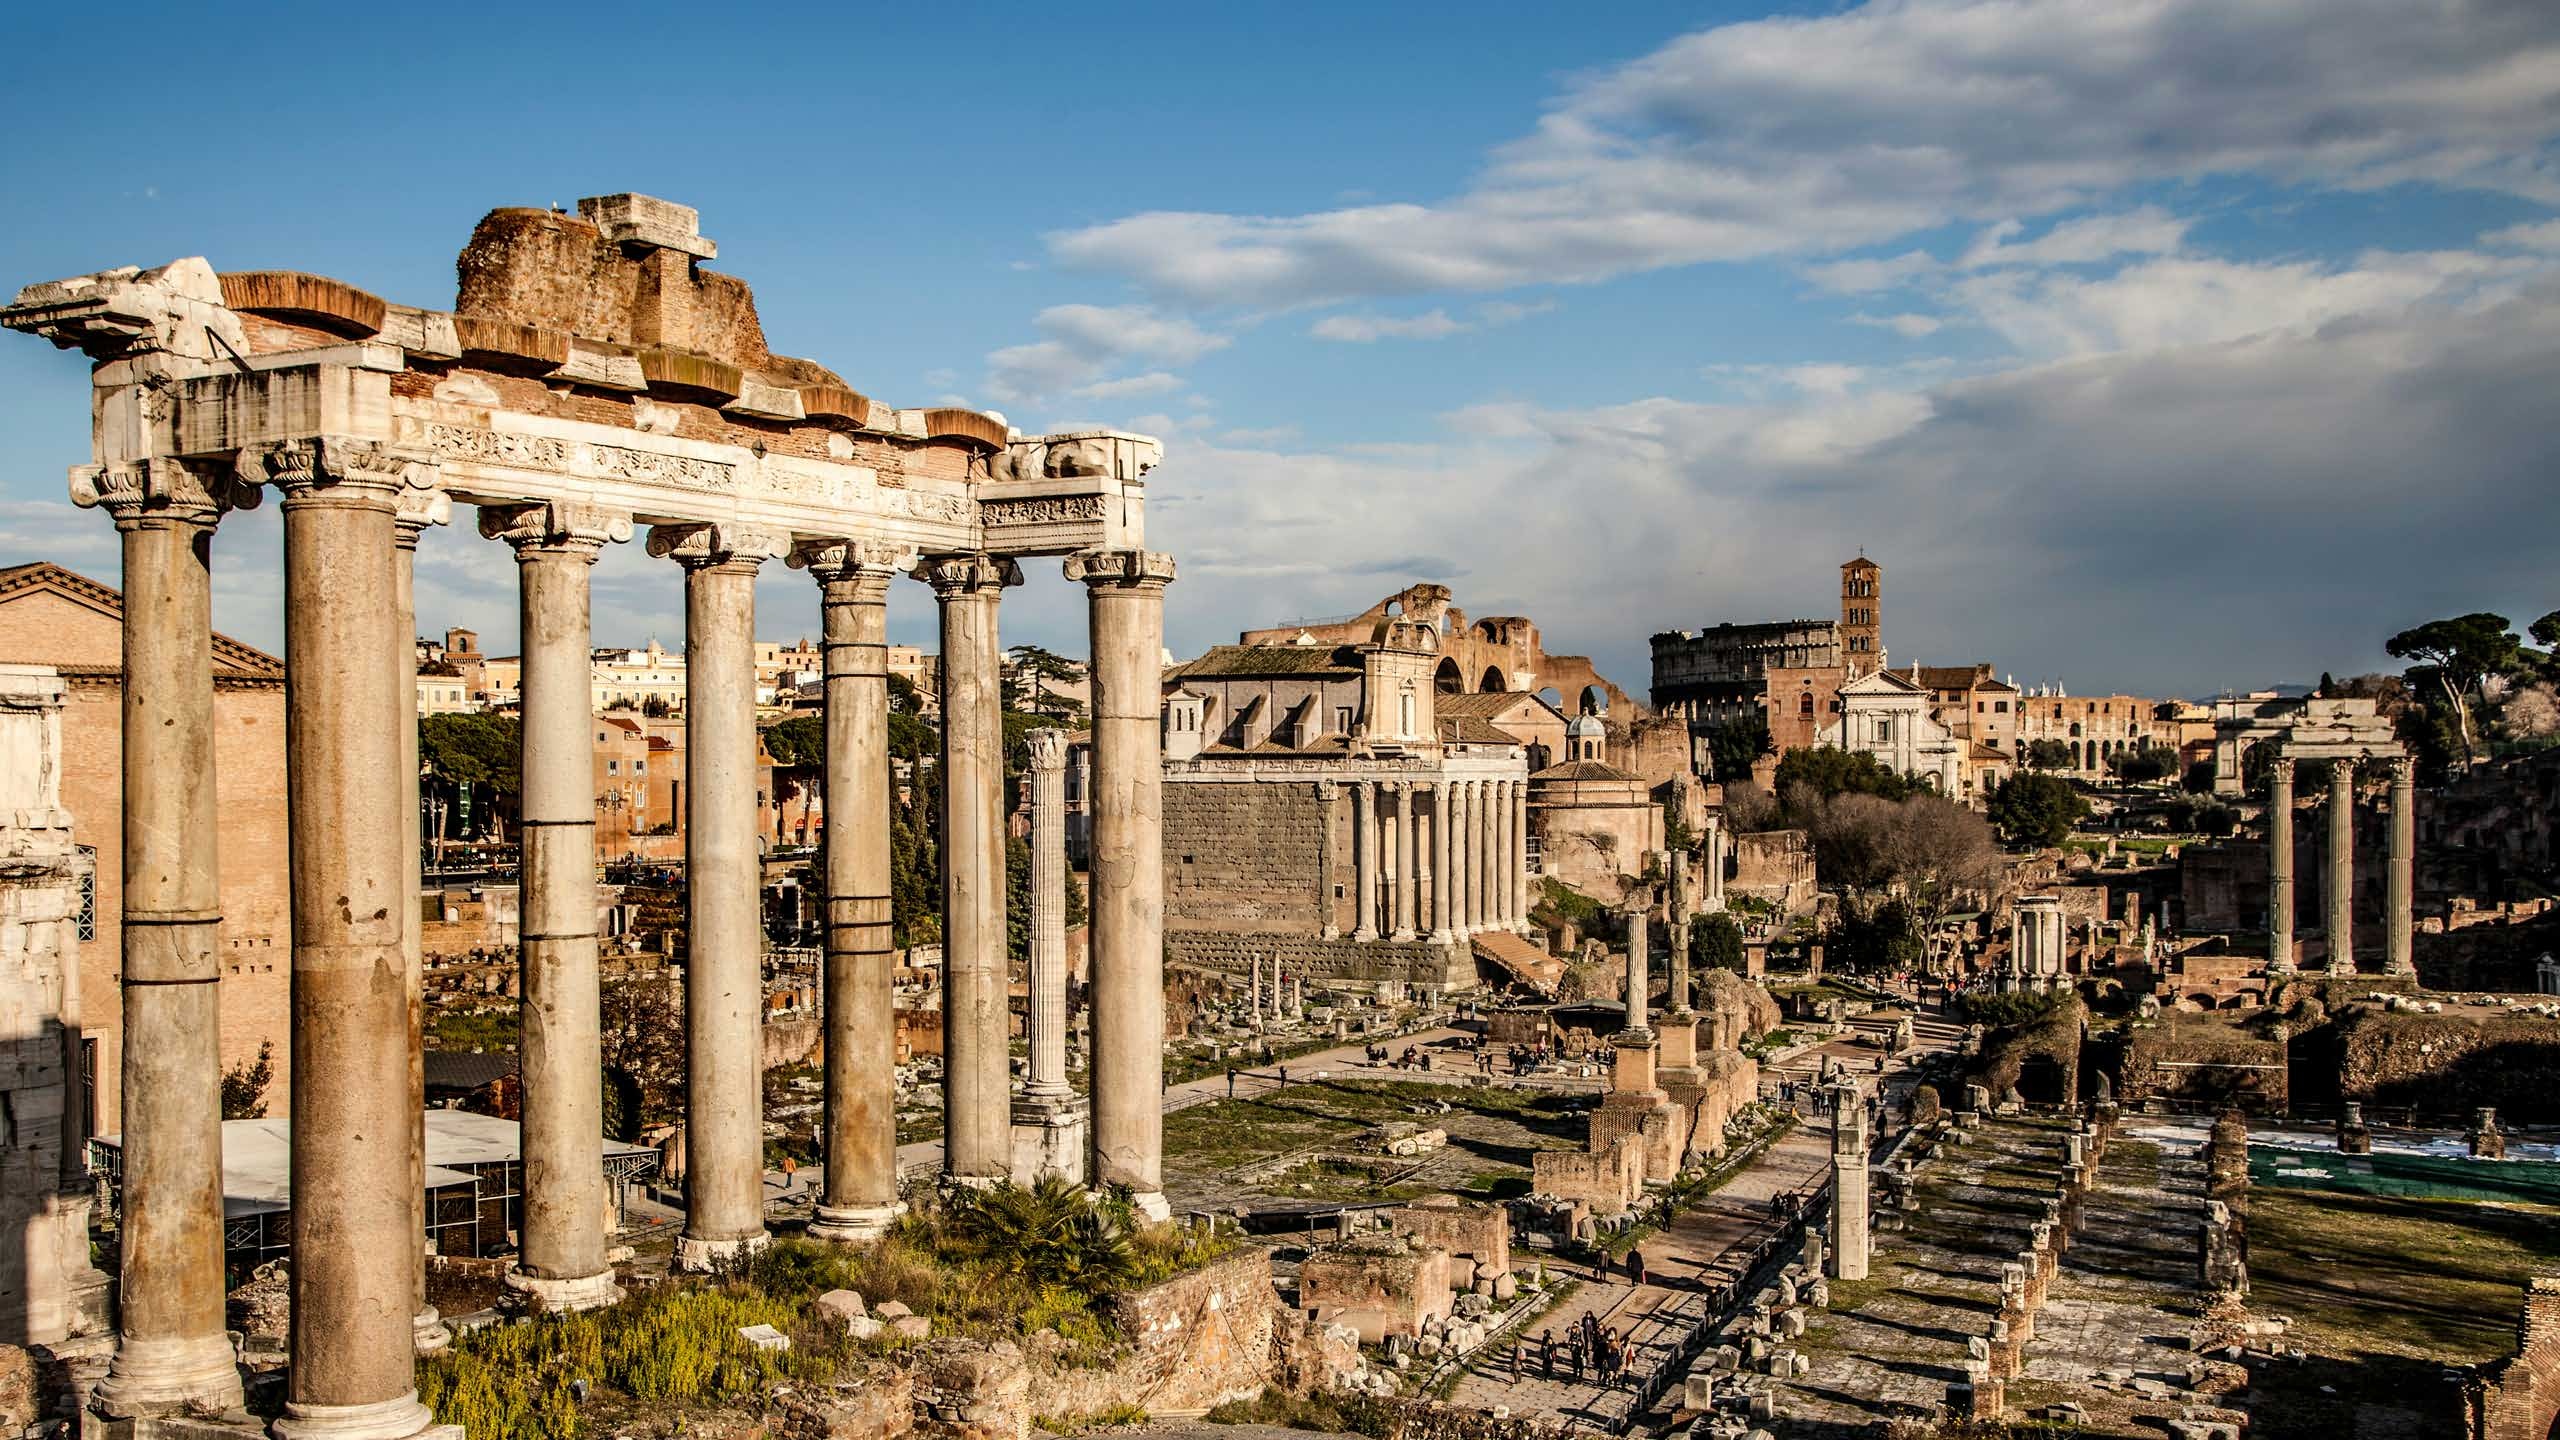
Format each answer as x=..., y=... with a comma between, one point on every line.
x=313, y=461
x=1049, y=510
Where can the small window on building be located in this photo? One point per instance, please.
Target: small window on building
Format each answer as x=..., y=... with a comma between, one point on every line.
x=613, y=767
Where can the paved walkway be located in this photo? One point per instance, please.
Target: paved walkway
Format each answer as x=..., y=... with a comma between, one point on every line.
x=1704, y=1249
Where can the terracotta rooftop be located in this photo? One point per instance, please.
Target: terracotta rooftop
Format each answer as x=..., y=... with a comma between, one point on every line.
x=1573, y=770
x=1232, y=661
x=229, y=656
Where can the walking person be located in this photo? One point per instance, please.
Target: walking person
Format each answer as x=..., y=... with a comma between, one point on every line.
x=1547, y=1352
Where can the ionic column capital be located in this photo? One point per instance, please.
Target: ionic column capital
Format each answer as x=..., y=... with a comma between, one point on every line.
x=1048, y=749
x=141, y=492
x=556, y=527
x=953, y=576
x=868, y=564
x=702, y=546
x=313, y=465
x=415, y=510
x=1121, y=569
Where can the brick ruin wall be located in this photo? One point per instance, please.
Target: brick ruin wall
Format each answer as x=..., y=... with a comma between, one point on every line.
x=1451, y=967
x=2205, y=1060
x=1246, y=857
x=2519, y=1398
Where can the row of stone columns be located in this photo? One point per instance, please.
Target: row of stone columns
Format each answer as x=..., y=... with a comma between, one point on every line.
x=352, y=513
x=1446, y=856
x=2338, y=895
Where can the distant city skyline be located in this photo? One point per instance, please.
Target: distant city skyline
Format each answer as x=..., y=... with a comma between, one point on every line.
x=2137, y=370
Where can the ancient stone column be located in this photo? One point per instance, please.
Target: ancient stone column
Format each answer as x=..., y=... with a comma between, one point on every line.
x=1050, y=1135
x=1126, y=592
x=724, y=929
x=2399, y=877
x=1048, y=1077
x=1441, y=917
x=1519, y=854
x=1364, y=861
x=1715, y=866
x=1639, y=977
x=1679, y=937
x=1462, y=858
x=2340, y=892
x=1849, y=1237
x=1403, y=881
x=976, y=1071
x=1489, y=853
x=858, y=1200
x=2280, y=866
x=418, y=510
x=1327, y=792
x=562, y=1265
x=171, y=1351
x=354, y=1116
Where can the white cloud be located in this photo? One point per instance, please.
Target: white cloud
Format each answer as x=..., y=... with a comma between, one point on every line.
x=1436, y=324
x=1085, y=341
x=1908, y=326
x=2540, y=235
x=1813, y=136
x=2406, y=441
x=2148, y=230
x=1154, y=382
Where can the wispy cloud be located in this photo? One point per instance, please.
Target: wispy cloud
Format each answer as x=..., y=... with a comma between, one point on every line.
x=1436, y=324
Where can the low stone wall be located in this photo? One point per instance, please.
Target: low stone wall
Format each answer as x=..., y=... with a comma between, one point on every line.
x=1449, y=967
x=1194, y=1341
x=2205, y=1060
x=2452, y=1064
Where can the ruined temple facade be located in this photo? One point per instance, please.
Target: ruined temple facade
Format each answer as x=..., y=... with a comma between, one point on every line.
x=593, y=377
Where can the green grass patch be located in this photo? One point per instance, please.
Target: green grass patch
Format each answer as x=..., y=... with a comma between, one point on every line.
x=2368, y=1276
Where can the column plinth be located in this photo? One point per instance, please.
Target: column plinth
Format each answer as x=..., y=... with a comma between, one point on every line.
x=563, y=1238
x=171, y=1350
x=858, y=1196
x=724, y=930
x=1125, y=593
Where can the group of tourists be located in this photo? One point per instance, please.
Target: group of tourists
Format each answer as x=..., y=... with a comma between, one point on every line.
x=1589, y=1348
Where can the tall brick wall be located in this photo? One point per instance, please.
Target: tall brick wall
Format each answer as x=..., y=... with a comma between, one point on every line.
x=1245, y=857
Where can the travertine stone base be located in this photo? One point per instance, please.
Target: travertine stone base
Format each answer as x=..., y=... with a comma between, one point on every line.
x=156, y=1377
x=1152, y=1205
x=854, y=1224
x=397, y=1419
x=702, y=1257
x=586, y=1292
x=1051, y=1137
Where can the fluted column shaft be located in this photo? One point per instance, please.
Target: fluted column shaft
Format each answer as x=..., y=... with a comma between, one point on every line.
x=1497, y=855
x=2399, y=875
x=2280, y=866
x=1125, y=590
x=171, y=1350
x=724, y=930
x=1364, y=861
x=976, y=1071
x=354, y=1120
x=1639, y=978
x=860, y=1195
x=1439, y=850
x=2341, y=889
x=1048, y=1078
x=559, y=1050
x=1404, y=880
x=1519, y=854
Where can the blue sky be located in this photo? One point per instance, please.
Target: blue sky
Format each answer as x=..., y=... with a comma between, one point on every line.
x=2163, y=345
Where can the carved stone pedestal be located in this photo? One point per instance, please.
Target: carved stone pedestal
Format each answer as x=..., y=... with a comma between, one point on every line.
x=1051, y=1137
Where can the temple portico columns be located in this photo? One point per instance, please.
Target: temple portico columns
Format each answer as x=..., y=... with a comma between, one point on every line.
x=1125, y=590
x=354, y=1116
x=1439, y=851
x=171, y=1350
x=976, y=1071
x=1404, y=885
x=1364, y=862
x=1506, y=854
x=563, y=1264
x=1461, y=870
x=1489, y=853
x=724, y=932
x=418, y=510
x=858, y=1200
x=2399, y=874
x=2280, y=866
x=1519, y=854
x=2340, y=892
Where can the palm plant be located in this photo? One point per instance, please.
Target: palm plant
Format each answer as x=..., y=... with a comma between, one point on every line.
x=1051, y=1232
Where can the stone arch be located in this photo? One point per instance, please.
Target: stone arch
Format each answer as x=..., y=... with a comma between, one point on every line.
x=1593, y=701
x=1447, y=678
x=1495, y=682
